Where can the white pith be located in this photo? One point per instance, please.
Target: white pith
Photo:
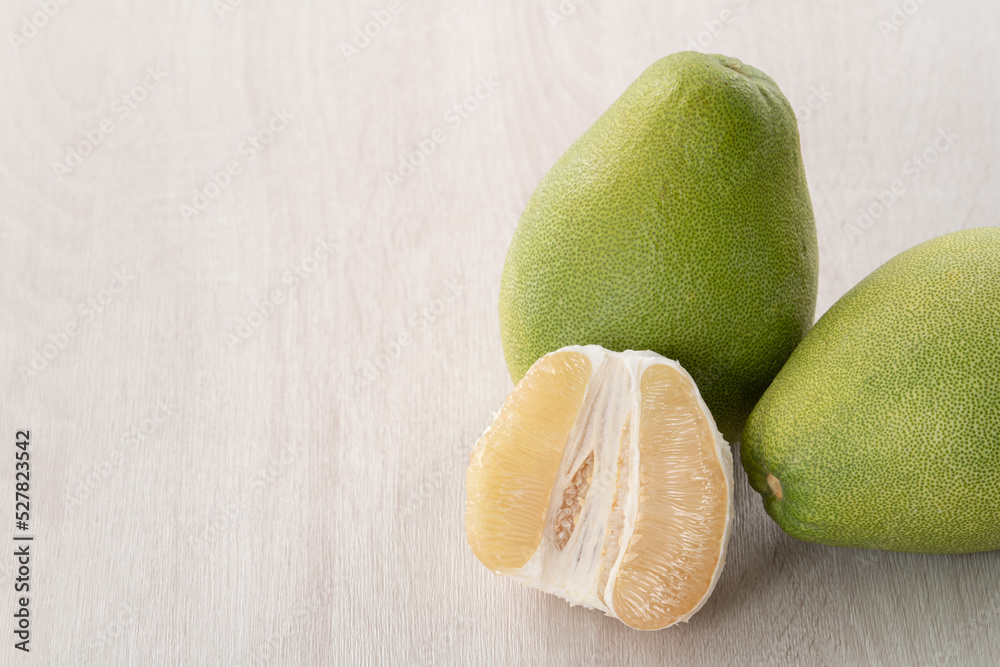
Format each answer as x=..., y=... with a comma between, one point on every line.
x=575, y=572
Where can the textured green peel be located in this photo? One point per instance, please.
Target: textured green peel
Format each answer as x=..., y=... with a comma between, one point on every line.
x=680, y=223
x=884, y=425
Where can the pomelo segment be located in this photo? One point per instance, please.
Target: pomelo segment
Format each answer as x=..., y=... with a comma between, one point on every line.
x=684, y=497
x=605, y=481
x=514, y=466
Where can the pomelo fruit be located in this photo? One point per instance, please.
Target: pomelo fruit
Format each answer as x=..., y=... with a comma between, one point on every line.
x=883, y=429
x=604, y=480
x=679, y=223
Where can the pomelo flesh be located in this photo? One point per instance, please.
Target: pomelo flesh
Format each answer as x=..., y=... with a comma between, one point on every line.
x=604, y=480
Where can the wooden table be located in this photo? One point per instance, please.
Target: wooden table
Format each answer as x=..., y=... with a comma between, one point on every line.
x=251, y=258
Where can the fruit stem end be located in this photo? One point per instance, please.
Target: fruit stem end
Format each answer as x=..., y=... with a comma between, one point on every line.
x=775, y=485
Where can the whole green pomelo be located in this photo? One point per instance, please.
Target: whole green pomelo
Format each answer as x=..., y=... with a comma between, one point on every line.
x=883, y=429
x=679, y=223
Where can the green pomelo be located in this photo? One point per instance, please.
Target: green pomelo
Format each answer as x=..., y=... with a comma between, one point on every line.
x=883, y=429
x=679, y=223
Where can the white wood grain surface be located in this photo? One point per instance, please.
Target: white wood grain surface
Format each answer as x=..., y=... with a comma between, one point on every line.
x=250, y=420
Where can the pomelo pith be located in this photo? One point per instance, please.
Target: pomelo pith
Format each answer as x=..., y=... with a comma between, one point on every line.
x=603, y=480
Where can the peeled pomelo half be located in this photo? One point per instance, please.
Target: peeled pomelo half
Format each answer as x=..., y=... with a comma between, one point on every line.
x=605, y=481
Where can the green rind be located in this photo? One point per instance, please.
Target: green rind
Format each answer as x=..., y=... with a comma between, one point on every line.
x=679, y=223
x=884, y=426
